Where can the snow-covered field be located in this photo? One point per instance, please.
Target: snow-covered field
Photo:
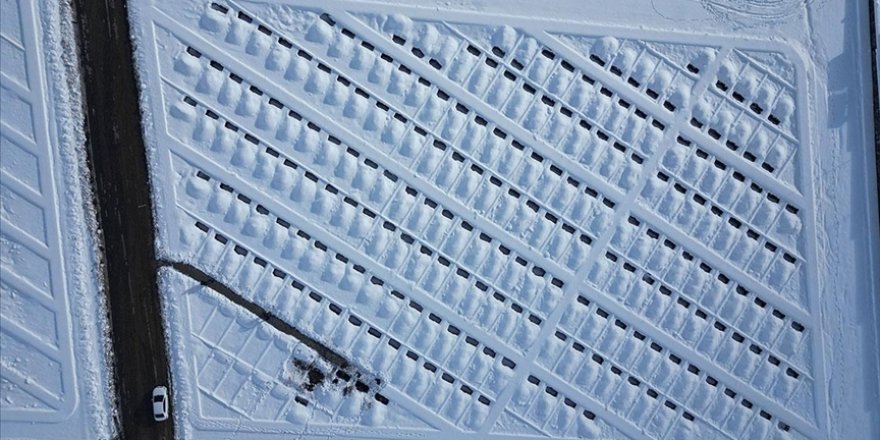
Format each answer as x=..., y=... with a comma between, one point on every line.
x=624, y=222
x=54, y=379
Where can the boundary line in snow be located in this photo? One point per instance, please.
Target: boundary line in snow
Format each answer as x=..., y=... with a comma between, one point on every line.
x=279, y=324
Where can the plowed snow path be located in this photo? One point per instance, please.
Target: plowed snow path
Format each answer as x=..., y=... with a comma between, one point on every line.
x=521, y=226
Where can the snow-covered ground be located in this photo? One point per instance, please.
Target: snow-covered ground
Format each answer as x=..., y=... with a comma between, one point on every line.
x=54, y=378
x=603, y=222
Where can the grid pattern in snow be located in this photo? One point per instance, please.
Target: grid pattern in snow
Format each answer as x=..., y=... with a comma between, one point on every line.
x=51, y=383
x=522, y=232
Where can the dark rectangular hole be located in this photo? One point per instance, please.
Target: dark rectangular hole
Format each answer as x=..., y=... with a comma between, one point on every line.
x=245, y=18
x=659, y=125
x=381, y=399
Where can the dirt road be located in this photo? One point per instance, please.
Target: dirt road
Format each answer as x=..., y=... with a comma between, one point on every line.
x=118, y=163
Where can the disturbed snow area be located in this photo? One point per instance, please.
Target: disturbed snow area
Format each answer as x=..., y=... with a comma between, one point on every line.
x=512, y=226
x=54, y=377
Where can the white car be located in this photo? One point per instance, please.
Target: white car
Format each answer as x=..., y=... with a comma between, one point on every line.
x=160, y=403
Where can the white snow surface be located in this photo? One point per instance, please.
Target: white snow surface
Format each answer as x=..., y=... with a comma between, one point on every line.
x=54, y=369
x=579, y=222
